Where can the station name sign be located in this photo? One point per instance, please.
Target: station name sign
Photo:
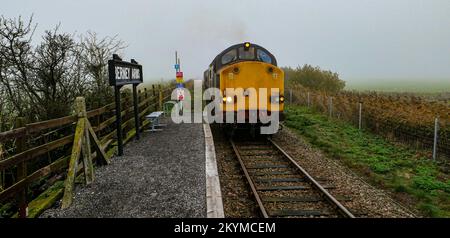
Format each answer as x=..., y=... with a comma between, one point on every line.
x=122, y=72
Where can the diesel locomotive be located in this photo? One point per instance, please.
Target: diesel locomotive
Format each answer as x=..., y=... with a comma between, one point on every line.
x=252, y=74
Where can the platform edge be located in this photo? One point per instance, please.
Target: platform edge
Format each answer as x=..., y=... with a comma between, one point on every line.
x=214, y=204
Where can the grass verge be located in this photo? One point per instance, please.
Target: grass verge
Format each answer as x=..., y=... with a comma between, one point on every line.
x=410, y=176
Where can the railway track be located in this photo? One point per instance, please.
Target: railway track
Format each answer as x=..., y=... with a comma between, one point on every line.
x=281, y=187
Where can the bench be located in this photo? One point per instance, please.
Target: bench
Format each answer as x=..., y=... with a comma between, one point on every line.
x=154, y=118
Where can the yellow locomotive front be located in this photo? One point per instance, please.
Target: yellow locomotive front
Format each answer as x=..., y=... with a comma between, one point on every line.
x=244, y=79
x=250, y=82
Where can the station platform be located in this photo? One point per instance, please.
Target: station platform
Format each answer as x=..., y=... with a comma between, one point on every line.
x=161, y=175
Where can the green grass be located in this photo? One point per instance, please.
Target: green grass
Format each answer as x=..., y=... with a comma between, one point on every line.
x=408, y=174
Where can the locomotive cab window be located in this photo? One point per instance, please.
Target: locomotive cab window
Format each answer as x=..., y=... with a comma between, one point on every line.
x=229, y=56
x=248, y=54
x=263, y=56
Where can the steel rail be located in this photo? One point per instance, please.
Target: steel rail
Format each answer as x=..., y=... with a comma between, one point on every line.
x=250, y=181
x=341, y=209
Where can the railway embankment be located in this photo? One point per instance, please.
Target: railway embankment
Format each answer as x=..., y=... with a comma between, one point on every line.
x=407, y=176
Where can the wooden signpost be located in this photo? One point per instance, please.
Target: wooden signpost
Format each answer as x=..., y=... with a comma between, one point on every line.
x=122, y=73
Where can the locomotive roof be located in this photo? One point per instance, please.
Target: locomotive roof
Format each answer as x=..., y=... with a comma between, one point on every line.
x=217, y=64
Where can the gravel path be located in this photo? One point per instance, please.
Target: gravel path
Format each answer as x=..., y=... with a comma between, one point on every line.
x=162, y=175
x=365, y=198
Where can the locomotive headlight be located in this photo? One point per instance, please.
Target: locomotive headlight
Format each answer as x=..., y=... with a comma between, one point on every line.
x=246, y=46
x=277, y=99
x=228, y=99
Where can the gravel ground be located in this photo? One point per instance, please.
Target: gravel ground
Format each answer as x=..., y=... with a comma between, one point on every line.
x=238, y=201
x=370, y=201
x=162, y=175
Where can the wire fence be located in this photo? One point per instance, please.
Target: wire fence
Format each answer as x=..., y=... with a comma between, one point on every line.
x=420, y=124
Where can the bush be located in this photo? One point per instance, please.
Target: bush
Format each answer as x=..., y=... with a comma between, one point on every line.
x=40, y=82
x=313, y=78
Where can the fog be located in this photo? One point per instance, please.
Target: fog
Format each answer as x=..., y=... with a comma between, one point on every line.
x=359, y=39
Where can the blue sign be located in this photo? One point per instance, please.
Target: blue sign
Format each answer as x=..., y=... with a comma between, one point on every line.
x=177, y=66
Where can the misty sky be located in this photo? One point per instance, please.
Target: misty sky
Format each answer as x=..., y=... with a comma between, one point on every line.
x=357, y=38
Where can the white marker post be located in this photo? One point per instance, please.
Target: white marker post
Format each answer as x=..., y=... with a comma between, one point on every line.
x=436, y=133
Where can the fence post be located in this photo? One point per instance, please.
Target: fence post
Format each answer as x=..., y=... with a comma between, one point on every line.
x=22, y=171
x=145, y=96
x=435, y=142
x=154, y=97
x=136, y=111
x=290, y=96
x=360, y=116
x=308, y=100
x=80, y=110
x=147, y=104
x=161, y=96
x=160, y=104
x=79, y=147
x=330, y=106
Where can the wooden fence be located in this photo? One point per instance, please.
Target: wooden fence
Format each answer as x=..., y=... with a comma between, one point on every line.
x=35, y=164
